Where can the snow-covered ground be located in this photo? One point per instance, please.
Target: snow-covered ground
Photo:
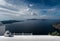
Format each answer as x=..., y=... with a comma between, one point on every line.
x=30, y=38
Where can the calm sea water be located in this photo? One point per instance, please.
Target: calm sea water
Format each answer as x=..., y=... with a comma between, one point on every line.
x=37, y=27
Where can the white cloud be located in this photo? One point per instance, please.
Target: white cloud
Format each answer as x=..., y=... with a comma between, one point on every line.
x=24, y=10
x=30, y=5
x=2, y=2
x=7, y=5
x=43, y=15
x=7, y=10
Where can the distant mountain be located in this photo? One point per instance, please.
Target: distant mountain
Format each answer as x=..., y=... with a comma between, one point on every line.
x=44, y=19
x=57, y=25
x=38, y=19
x=32, y=19
x=10, y=21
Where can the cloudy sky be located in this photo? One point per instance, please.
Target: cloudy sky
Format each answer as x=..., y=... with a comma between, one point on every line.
x=24, y=9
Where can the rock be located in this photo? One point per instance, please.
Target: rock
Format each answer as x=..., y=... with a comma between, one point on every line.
x=56, y=26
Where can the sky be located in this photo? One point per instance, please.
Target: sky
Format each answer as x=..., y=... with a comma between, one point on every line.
x=27, y=9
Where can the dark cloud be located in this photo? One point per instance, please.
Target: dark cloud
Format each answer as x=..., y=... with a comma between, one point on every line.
x=37, y=3
x=45, y=2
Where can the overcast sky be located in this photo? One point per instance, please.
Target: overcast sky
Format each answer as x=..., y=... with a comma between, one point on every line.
x=23, y=9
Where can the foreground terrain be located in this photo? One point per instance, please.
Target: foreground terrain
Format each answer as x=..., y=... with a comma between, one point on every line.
x=30, y=38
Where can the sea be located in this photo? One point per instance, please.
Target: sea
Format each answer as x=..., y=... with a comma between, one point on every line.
x=34, y=26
